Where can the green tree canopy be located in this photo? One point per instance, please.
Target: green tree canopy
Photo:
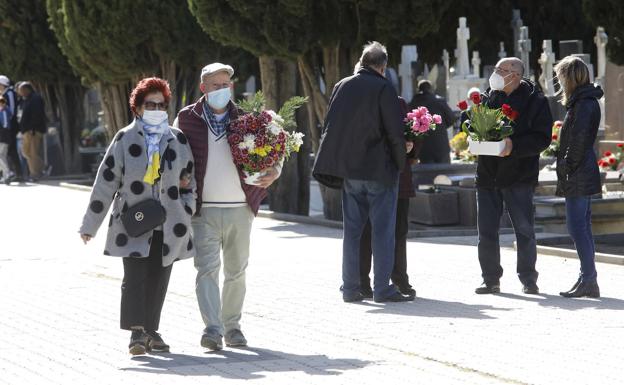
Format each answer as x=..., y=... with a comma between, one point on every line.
x=608, y=14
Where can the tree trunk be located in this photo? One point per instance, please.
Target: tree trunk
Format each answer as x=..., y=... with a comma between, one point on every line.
x=72, y=118
x=291, y=192
x=114, y=99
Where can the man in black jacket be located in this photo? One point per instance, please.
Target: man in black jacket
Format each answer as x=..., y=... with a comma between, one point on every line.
x=435, y=147
x=362, y=151
x=511, y=177
x=31, y=123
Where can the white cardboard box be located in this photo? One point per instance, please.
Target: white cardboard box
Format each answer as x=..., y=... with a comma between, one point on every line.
x=485, y=148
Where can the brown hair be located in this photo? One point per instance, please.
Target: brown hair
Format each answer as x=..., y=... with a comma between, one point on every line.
x=572, y=72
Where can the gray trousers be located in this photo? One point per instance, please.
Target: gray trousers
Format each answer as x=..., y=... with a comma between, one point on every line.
x=217, y=229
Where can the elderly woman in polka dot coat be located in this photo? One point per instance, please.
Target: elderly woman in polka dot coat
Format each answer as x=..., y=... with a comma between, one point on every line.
x=146, y=160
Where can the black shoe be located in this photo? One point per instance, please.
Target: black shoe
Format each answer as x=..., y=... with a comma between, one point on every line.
x=530, y=288
x=584, y=289
x=366, y=292
x=396, y=297
x=407, y=290
x=356, y=298
x=488, y=288
x=138, y=342
x=155, y=342
x=576, y=285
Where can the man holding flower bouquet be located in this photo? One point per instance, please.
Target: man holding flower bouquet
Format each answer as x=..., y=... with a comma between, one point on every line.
x=511, y=177
x=226, y=207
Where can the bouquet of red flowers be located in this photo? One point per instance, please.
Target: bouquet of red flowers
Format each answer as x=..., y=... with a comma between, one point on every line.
x=420, y=122
x=485, y=123
x=260, y=138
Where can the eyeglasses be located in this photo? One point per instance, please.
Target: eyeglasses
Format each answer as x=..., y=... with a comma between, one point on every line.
x=504, y=71
x=150, y=106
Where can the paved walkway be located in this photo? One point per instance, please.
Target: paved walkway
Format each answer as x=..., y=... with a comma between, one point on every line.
x=59, y=302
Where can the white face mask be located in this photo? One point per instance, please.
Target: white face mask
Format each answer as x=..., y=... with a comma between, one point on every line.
x=154, y=117
x=497, y=82
x=220, y=98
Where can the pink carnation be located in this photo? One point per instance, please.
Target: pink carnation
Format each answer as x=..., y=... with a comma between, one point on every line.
x=437, y=119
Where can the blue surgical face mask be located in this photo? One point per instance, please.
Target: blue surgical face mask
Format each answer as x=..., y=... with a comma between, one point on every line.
x=220, y=98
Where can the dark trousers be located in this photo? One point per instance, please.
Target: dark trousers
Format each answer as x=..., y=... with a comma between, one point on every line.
x=399, y=272
x=144, y=287
x=362, y=200
x=578, y=219
x=519, y=203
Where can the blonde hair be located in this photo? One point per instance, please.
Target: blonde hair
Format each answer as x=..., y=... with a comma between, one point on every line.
x=572, y=72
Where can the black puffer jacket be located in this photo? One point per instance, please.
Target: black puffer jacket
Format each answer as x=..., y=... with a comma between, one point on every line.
x=532, y=134
x=577, y=167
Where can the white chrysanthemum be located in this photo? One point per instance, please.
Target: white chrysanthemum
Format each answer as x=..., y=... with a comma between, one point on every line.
x=249, y=142
x=276, y=118
x=298, y=138
x=275, y=129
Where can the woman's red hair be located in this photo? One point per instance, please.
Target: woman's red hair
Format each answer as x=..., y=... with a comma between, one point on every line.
x=145, y=87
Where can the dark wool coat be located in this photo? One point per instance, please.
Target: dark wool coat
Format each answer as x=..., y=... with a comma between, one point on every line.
x=363, y=132
x=120, y=181
x=577, y=166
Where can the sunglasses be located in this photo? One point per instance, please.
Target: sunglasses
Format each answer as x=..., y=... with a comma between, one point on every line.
x=149, y=105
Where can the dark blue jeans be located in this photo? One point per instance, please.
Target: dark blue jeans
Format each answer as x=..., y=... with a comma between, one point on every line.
x=578, y=219
x=362, y=200
x=519, y=203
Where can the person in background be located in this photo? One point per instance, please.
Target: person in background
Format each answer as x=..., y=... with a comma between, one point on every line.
x=8, y=92
x=578, y=177
x=31, y=121
x=435, y=146
x=511, y=177
x=5, y=140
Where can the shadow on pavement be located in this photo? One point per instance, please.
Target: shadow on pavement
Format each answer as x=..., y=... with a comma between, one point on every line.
x=306, y=230
x=425, y=307
x=556, y=301
x=245, y=363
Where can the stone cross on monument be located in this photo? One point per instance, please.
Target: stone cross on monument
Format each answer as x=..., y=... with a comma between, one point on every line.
x=516, y=24
x=546, y=61
x=476, y=63
x=462, y=68
x=501, y=52
x=524, y=44
x=601, y=40
x=409, y=54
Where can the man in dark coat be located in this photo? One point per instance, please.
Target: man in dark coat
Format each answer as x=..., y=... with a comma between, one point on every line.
x=511, y=177
x=435, y=147
x=363, y=150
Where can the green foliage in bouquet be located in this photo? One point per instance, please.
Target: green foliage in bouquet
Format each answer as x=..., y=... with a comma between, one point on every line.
x=256, y=104
x=487, y=124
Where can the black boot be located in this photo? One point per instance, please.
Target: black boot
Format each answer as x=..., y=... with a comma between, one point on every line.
x=578, y=282
x=584, y=289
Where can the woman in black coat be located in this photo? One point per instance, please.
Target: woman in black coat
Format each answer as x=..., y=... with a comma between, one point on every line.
x=577, y=169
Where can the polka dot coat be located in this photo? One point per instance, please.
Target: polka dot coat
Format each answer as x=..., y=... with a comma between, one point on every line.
x=119, y=182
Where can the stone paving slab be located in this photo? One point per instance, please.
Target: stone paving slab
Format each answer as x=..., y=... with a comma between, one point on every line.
x=60, y=313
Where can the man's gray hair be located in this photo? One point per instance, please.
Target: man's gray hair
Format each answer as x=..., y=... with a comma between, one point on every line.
x=374, y=55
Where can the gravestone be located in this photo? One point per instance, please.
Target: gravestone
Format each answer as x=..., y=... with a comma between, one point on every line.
x=516, y=24
x=601, y=40
x=462, y=79
x=462, y=67
x=614, y=101
x=476, y=63
x=569, y=47
x=409, y=55
x=546, y=61
x=524, y=47
x=501, y=51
